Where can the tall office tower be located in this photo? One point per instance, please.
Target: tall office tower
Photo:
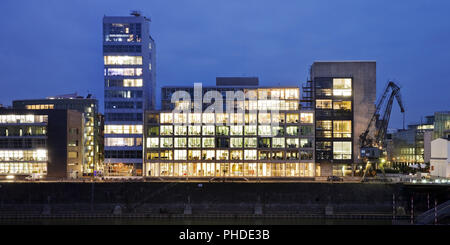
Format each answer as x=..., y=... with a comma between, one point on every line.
x=92, y=144
x=344, y=100
x=129, y=63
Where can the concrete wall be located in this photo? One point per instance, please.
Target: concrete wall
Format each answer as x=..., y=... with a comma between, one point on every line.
x=364, y=91
x=440, y=158
x=216, y=198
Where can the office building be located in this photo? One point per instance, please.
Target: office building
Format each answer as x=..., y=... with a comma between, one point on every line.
x=265, y=135
x=343, y=95
x=43, y=144
x=411, y=146
x=130, y=80
x=92, y=144
x=441, y=124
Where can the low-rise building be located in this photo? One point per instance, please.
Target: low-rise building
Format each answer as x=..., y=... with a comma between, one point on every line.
x=440, y=158
x=92, y=155
x=40, y=143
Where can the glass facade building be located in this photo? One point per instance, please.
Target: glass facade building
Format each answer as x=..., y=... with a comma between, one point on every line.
x=40, y=143
x=266, y=135
x=92, y=160
x=129, y=77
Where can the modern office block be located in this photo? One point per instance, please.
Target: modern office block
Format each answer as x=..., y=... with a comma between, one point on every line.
x=344, y=101
x=130, y=80
x=441, y=124
x=266, y=135
x=40, y=143
x=92, y=155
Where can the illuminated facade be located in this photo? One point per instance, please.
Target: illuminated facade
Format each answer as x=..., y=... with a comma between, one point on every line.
x=40, y=143
x=267, y=136
x=343, y=96
x=92, y=131
x=130, y=80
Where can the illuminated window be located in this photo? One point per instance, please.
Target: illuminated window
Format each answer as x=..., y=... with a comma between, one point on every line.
x=292, y=93
x=183, y=105
x=40, y=107
x=251, y=105
x=208, y=155
x=180, y=130
x=250, y=118
x=222, y=154
x=323, y=104
x=152, y=142
x=195, y=130
x=278, y=143
x=166, y=155
x=208, y=142
x=342, y=129
x=222, y=130
x=342, y=105
x=236, y=155
x=277, y=131
x=264, y=130
x=250, y=142
x=278, y=118
x=180, y=142
x=323, y=125
x=194, y=142
x=236, y=142
x=342, y=150
x=264, y=118
x=195, y=118
x=236, y=130
x=180, y=118
x=305, y=143
x=166, y=143
x=23, y=118
x=263, y=93
x=132, y=82
x=180, y=154
x=250, y=130
x=119, y=142
x=237, y=118
x=250, y=154
x=221, y=117
x=166, y=130
x=292, y=130
x=306, y=117
x=124, y=72
x=123, y=129
x=23, y=155
x=123, y=60
x=194, y=155
x=292, y=142
x=208, y=130
x=166, y=118
x=342, y=86
x=208, y=117
x=291, y=118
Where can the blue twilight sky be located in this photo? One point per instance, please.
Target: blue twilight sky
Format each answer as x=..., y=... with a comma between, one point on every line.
x=55, y=47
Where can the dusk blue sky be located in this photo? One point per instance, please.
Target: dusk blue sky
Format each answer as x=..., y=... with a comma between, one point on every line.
x=55, y=47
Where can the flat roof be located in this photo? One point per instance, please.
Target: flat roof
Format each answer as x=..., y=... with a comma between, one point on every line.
x=343, y=61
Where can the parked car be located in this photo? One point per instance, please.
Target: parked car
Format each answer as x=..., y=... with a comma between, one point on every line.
x=334, y=178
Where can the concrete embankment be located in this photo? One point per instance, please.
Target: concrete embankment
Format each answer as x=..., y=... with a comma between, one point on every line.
x=179, y=198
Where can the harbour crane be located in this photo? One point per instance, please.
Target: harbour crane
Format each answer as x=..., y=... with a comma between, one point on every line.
x=373, y=149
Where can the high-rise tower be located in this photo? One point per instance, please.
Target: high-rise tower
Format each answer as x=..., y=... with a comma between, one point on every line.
x=129, y=72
